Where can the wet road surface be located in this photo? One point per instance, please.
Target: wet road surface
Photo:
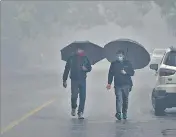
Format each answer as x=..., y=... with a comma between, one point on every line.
x=38, y=106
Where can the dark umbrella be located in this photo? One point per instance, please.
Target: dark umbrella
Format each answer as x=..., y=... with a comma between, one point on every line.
x=94, y=52
x=135, y=52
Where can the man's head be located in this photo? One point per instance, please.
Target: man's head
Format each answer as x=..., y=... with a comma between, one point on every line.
x=120, y=55
x=80, y=52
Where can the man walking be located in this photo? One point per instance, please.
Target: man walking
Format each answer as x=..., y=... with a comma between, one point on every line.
x=78, y=65
x=121, y=70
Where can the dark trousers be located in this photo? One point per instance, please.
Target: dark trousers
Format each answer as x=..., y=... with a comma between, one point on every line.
x=122, y=94
x=78, y=87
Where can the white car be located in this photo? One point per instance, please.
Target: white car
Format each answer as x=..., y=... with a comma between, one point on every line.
x=157, y=55
x=158, y=52
x=164, y=92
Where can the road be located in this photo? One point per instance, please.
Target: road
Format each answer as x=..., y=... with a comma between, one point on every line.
x=38, y=106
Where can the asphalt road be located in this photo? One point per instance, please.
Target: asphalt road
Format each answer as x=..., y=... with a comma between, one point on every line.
x=38, y=106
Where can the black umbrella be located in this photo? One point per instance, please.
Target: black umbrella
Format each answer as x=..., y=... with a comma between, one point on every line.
x=94, y=52
x=135, y=52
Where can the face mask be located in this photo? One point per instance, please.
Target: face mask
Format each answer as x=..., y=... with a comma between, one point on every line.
x=80, y=53
x=120, y=58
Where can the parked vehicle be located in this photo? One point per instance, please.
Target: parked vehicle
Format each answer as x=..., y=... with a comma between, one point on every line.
x=164, y=92
x=157, y=55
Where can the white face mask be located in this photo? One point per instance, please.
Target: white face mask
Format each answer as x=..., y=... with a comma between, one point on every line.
x=120, y=58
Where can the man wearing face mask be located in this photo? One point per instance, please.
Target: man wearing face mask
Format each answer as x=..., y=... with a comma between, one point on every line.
x=78, y=65
x=121, y=70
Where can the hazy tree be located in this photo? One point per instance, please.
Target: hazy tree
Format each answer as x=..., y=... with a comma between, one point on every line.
x=23, y=22
x=168, y=10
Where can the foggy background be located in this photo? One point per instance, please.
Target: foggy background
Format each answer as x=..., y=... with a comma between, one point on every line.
x=32, y=33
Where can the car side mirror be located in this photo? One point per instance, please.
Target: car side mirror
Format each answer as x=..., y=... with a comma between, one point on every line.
x=154, y=67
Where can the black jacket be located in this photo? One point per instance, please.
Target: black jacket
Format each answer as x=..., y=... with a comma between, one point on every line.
x=119, y=78
x=74, y=66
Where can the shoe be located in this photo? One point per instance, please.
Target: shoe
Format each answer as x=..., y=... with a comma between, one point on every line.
x=118, y=116
x=73, y=112
x=124, y=115
x=80, y=115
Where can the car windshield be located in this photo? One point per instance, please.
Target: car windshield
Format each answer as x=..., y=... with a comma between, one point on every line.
x=159, y=52
x=171, y=59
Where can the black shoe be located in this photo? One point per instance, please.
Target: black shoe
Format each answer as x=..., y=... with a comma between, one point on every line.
x=118, y=116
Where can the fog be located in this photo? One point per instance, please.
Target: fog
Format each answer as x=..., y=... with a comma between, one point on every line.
x=43, y=50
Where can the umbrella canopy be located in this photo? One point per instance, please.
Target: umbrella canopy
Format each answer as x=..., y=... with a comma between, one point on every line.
x=135, y=52
x=94, y=52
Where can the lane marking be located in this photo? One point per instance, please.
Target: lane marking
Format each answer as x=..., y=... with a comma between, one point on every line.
x=34, y=111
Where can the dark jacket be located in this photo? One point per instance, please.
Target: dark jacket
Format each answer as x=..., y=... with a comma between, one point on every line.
x=74, y=66
x=119, y=78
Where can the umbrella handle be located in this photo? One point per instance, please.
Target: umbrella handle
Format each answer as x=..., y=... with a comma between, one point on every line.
x=127, y=53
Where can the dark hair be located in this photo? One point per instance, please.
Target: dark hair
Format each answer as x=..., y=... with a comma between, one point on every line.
x=120, y=52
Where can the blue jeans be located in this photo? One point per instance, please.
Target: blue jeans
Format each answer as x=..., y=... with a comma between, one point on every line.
x=122, y=94
x=78, y=87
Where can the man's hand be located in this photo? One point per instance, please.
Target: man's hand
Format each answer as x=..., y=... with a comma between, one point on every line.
x=65, y=84
x=84, y=68
x=108, y=86
x=123, y=71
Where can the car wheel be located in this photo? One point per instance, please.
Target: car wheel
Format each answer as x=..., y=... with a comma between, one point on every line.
x=158, y=106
